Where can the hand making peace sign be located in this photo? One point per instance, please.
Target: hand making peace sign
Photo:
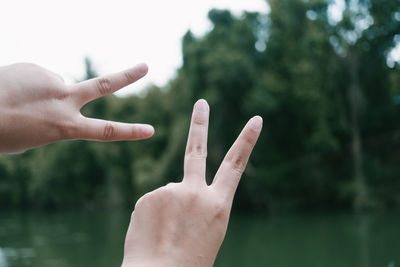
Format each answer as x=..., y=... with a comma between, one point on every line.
x=184, y=224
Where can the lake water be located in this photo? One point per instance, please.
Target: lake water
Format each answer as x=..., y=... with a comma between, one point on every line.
x=86, y=239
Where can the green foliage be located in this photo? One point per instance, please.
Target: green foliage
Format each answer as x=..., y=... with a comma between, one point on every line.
x=301, y=84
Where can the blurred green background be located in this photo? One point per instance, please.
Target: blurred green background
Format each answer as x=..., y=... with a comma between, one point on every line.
x=322, y=187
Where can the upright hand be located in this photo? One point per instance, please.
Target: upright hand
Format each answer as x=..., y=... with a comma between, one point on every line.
x=38, y=108
x=184, y=224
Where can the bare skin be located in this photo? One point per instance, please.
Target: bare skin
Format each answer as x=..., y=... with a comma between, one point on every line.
x=38, y=108
x=180, y=224
x=184, y=224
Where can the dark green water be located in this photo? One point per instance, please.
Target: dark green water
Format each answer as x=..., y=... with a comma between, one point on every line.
x=96, y=239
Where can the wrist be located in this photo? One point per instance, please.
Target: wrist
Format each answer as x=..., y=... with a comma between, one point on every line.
x=152, y=263
x=167, y=262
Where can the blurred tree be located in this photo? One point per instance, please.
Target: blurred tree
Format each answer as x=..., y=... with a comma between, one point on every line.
x=363, y=38
x=322, y=84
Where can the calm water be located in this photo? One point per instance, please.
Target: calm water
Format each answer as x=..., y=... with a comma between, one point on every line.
x=96, y=239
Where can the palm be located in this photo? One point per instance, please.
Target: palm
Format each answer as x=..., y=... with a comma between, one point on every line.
x=188, y=220
x=39, y=100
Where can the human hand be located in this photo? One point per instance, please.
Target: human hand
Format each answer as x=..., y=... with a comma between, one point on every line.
x=184, y=224
x=38, y=108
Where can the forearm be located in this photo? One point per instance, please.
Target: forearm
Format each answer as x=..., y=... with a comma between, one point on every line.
x=167, y=256
x=166, y=262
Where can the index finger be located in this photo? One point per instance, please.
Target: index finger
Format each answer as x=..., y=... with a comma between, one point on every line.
x=196, y=148
x=92, y=89
x=229, y=173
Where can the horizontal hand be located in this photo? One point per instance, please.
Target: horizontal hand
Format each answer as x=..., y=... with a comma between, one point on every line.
x=38, y=108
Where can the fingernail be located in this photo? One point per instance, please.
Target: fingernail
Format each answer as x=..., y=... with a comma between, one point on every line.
x=256, y=123
x=142, y=68
x=201, y=105
x=148, y=130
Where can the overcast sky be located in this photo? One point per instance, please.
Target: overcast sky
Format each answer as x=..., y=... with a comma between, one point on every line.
x=117, y=34
x=114, y=34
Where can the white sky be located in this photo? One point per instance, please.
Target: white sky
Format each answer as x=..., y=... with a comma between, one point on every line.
x=58, y=34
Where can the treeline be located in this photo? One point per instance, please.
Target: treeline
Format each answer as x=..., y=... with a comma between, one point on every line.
x=323, y=86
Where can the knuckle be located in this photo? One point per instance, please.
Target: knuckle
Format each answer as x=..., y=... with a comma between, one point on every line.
x=33, y=68
x=138, y=132
x=250, y=139
x=103, y=86
x=196, y=151
x=191, y=196
x=109, y=131
x=199, y=149
x=238, y=164
x=61, y=93
x=144, y=199
x=130, y=77
x=54, y=76
x=170, y=186
x=219, y=209
x=199, y=119
x=67, y=130
x=166, y=192
x=139, y=203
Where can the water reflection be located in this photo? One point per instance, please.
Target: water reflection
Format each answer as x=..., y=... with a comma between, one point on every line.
x=364, y=240
x=3, y=259
x=96, y=239
x=63, y=239
x=312, y=240
x=25, y=255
